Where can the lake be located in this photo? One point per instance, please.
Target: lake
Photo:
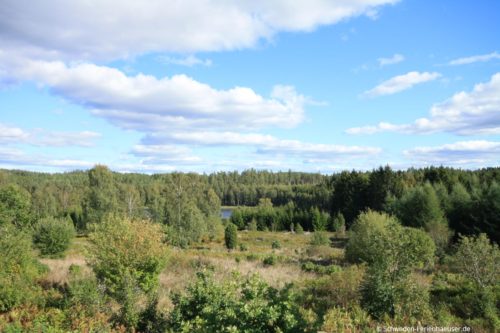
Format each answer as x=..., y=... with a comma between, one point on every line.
x=226, y=213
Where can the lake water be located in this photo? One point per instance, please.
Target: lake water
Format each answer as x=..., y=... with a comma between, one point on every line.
x=226, y=213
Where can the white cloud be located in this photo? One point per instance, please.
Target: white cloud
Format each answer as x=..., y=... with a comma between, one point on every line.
x=465, y=153
x=12, y=157
x=161, y=154
x=473, y=59
x=12, y=134
x=396, y=58
x=39, y=137
x=146, y=103
x=188, y=61
x=111, y=29
x=265, y=144
x=465, y=113
x=401, y=82
x=60, y=139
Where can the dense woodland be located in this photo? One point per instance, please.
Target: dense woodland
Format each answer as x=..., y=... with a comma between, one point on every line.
x=385, y=247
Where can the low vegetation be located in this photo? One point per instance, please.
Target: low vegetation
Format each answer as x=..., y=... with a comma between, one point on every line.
x=135, y=253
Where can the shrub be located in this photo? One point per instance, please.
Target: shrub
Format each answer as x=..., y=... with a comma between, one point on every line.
x=252, y=226
x=320, y=269
x=127, y=258
x=83, y=291
x=338, y=224
x=15, y=206
x=341, y=320
x=276, y=245
x=243, y=247
x=270, y=260
x=478, y=260
x=369, y=235
x=339, y=289
x=236, y=305
x=18, y=268
x=53, y=236
x=231, y=236
x=320, y=238
x=298, y=229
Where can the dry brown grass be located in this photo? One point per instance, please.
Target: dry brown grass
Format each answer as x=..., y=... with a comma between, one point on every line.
x=59, y=268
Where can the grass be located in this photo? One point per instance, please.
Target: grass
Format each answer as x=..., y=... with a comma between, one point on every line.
x=183, y=264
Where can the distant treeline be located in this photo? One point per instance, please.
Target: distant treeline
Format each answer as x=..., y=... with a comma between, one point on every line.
x=466, y=201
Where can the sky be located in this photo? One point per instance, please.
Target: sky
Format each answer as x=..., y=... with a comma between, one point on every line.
x=216, y=85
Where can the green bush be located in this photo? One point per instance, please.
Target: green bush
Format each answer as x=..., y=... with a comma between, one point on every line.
x=276, y=245
x=235, y=305
x=231, y=236
x=18, y=268
x=127, y=257
x=243, y=247
x=298, y=229
x=339, y=289
x=53, y=236
x=270, y=260
x=252, y=226
x=320, y=238
x=338, y=224
x=320, y=269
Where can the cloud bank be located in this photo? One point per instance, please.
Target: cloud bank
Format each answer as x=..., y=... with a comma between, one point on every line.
x=84, y=30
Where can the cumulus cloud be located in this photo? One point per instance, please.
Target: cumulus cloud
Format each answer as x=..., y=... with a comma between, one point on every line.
x=396, y=58
x=146, y=103
x=465, y=113
x=478, y=152
x=473, y=59
x=84, y=30
x=39, y=137
x=401, y=82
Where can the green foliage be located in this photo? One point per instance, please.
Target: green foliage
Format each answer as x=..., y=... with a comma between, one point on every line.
x=341, y=320
x=53, y=236
x=377, y=238
x=84, y=292
x=298, y=229
x=369, y=236
x=270, y=260
x=15, y=206
x=18, y=268
x=320, y=238
x=253, y=225
x=243, y=247
x=319, y=219
x=127, y=258
x=459, y=296
x=320, y=269
x=275, y=245
x=187, y=228
x=339, y=289
x=419, y=207
x=392, y=252
x=238, y=305
x=378, y=293
x=237, y=219
x=338, y=224
x=231, y=236
x=101, y=199
x=478, y=260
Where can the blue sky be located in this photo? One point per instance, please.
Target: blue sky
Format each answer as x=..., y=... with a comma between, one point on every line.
x=320, y=86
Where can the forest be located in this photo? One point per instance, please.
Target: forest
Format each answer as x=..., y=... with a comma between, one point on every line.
x=355, y=251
